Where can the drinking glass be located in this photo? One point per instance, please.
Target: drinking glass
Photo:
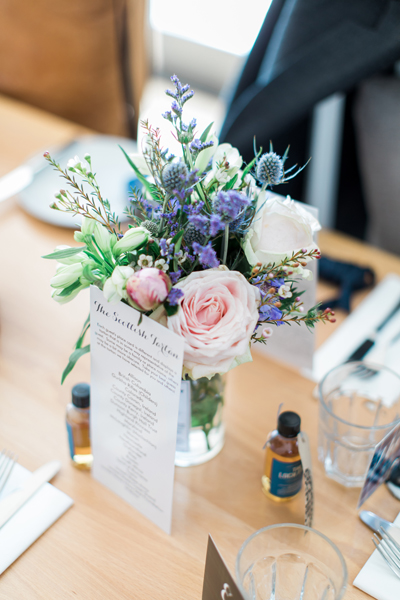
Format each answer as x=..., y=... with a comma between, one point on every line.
x=288, y=562
x=359, y=403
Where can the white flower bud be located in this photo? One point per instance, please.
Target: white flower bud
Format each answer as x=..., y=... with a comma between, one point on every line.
x=133, y=238
x=66, y=275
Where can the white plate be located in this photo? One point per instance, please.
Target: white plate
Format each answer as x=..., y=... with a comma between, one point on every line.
x=113, y=173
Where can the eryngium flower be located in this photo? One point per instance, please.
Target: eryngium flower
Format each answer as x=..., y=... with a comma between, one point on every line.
x=150, y=226
x=270, y=168
x=173, y=175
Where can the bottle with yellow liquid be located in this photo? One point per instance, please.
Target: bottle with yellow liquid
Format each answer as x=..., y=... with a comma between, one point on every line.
x=77, y=418
x=283, y=472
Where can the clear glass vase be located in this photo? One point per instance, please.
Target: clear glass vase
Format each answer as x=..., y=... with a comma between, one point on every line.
x=201, y=431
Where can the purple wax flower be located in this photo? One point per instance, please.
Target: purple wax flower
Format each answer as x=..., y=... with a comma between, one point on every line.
x=207, y=255
x=230, y=205
x=200, y=222
x=216, y=224
x=175, y=275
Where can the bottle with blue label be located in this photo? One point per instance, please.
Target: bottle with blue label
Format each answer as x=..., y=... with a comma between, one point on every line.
x=283, y=472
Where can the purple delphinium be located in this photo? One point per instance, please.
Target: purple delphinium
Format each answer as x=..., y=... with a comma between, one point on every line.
x=268, y=312
x=166, y=250
x=207, y=255
x=175, y=296
x=277, y=282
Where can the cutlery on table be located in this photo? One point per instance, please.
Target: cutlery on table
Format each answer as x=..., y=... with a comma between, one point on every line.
x=13, y=502
x=389, y=549
x=7, y=462
x=374, y=522
x=17, y=180
x=367, y=344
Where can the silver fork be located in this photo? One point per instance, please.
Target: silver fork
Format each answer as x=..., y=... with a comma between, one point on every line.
x=389, y=549
x=7, y=462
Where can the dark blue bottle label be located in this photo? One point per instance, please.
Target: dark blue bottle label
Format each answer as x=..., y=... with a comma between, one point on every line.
x=285, y=478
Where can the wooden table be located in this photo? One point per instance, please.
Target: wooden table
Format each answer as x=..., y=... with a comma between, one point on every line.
x=102, y=548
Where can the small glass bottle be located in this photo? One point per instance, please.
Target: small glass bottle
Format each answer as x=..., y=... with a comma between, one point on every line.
x=77, y=418
x=283, y=472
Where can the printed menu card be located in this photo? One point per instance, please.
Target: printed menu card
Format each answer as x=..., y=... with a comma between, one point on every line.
x=136, y=371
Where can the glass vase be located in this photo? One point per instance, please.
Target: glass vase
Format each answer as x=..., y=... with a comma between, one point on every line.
x=201, y=431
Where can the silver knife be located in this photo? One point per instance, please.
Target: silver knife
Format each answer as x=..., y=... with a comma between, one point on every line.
x=17, y=180
x=13, y=502
x=367, y=344
x=373, y=521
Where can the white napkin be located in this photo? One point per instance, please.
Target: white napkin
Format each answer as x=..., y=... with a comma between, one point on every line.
x=358, y=326
x=376, y=578
x=32, y=519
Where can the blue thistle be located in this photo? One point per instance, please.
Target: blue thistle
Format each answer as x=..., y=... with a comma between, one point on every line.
x=150, y=226
x=173, y=176
x=270, y=169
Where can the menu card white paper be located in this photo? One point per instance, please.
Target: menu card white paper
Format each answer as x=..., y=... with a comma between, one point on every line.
x=136, y=372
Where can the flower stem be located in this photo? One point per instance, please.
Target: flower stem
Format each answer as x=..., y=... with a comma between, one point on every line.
x=226, y=242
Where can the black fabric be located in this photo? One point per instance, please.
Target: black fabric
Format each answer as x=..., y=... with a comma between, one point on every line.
x=306, y=50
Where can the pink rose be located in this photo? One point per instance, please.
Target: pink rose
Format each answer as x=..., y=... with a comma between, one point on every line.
x=217, y=317
x=148, y=288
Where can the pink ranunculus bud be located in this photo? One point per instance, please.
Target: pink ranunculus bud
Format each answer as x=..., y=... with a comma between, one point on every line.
x=148, y=288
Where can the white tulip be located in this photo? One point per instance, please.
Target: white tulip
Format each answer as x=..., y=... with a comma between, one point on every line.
x=66, y=275
x=133, y=238
x=114, y=287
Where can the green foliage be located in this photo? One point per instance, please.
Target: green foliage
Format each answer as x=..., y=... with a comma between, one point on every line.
x=67, y=253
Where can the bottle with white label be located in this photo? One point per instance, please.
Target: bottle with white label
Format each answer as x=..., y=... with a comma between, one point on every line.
x=283, y=472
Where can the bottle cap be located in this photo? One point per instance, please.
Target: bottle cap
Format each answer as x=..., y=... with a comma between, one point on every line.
x=81, y=395
x=289, y=424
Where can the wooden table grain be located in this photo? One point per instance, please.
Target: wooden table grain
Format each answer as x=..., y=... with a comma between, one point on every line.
x=102, y=548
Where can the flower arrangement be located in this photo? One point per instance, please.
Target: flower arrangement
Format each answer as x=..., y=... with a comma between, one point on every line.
x=210, y=253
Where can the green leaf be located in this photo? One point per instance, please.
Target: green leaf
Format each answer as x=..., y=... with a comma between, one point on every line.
x=230, y=184
x=71, y=288
x=75, y=356
x=87, y=274
x=85, y=327
x=141, y=177
x=177, y=240
x=170, y=310
x=203, y=137
x=67, y=253
x=251, y=165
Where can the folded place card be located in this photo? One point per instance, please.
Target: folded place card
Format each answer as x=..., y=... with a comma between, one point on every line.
x=32, y=519
x=376, y=578
x=218, y=582
x=136, y=373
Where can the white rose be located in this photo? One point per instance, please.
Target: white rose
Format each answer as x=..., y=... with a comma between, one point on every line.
x=280, y=227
